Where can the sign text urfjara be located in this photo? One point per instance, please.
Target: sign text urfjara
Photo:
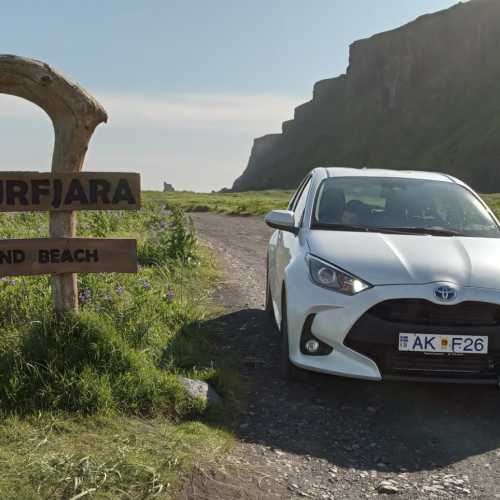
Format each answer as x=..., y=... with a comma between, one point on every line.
x=26, y=191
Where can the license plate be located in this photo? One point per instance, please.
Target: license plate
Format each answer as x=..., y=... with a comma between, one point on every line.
x=460, y=344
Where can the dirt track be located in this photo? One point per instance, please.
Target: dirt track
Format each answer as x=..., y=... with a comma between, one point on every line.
x=337, y=438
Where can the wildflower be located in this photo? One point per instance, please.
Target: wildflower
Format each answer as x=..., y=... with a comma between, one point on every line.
x=84, y=295
x=119, y=290
x=170, y=295
x=11, y=282
x=146, y=285
x=163, y=224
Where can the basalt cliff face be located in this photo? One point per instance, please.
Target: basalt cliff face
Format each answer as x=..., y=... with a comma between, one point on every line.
x=425, y=96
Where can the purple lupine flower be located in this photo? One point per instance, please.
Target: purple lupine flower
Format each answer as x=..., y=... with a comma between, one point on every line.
x=85, y=295
x=146, y=285
x=170, y=295
x=119, y=290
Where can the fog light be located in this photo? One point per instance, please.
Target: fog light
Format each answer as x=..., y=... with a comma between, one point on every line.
x=312, y=346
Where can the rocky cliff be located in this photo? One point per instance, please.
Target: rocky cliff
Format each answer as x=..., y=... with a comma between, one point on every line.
x=425, y=96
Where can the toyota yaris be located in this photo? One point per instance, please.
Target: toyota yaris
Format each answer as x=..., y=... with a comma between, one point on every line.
x=379, y=274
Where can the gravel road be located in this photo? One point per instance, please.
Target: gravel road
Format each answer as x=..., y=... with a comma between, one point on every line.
x=329, y=437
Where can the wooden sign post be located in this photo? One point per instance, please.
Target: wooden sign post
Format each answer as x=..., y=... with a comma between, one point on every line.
x=75, y=115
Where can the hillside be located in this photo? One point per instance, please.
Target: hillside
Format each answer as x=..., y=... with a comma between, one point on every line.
x=424, y=96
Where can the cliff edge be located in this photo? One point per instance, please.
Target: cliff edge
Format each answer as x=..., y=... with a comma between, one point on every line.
x=425, y=96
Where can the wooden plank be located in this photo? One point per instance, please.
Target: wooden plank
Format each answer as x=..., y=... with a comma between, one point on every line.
x=67, y=255
x=28, y=191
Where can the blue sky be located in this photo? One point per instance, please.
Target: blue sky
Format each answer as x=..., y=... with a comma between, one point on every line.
x=187, y=84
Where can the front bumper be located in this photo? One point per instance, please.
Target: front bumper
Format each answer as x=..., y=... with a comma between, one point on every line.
x=365, y=343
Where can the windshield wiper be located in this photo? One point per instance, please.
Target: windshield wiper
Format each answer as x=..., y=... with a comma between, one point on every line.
x=390, y=230
x=424, y=230
x=341, y=227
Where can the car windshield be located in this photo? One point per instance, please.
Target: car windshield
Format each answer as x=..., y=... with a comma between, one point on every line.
x=398, y=205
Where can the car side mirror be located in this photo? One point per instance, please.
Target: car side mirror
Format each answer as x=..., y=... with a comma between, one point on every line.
x=282, y=219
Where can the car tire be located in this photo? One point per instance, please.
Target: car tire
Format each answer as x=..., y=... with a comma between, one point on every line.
x=288, y=370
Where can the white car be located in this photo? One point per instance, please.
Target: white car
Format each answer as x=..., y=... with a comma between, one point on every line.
x=379, y=274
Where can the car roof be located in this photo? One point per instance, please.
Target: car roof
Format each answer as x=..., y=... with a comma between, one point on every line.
x=376, y=172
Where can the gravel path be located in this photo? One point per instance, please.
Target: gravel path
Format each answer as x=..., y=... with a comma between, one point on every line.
x=328, y=437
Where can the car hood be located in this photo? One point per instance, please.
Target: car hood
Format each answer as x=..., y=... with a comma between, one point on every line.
x=385, y=259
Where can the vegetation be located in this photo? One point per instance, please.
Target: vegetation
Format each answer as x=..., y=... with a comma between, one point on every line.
x=91, y=405
x=493, y=201
x=249, y=203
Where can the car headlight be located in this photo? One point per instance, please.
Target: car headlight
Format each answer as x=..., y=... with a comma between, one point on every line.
x=328, y=276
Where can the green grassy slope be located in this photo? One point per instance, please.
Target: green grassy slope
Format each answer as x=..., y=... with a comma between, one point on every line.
x=248, y=203
x=91, y=406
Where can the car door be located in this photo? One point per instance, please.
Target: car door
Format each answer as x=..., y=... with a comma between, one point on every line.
x=287, y=243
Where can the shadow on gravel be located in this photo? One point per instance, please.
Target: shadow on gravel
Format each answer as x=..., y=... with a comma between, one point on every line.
x=390, y=427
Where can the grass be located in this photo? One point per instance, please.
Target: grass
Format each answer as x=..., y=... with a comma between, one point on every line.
x=493, y=201
x=249, y=203
x=90, y=405
x=48, y=456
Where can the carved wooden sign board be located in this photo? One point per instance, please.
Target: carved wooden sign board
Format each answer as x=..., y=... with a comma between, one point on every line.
x=74, y=114
x=67, y=255
x=27, y=191
x=33, y=191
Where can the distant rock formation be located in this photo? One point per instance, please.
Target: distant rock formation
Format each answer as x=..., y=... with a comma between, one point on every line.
x=425, y=96
x=168, y=188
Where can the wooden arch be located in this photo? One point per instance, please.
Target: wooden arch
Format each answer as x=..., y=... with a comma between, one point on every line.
x=75, y=114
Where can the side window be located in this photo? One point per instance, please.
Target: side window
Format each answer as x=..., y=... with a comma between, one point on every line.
x=298, y=192
x=300, y=203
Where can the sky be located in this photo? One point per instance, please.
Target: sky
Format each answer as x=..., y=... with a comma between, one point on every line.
x=187, y=84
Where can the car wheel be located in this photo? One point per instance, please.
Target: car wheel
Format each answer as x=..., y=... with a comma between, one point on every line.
x=288, y=370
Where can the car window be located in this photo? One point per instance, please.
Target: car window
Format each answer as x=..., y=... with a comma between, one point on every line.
x=300, y=205
x=403, y=204
x=293, y=202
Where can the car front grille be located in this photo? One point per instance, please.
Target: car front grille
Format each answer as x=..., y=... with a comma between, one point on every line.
x=418, y=362
x=424, y=312
x=376, y=335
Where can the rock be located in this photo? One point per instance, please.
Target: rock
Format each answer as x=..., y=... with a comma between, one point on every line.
x=388, y=487
x=202, y=390
x=413, y=86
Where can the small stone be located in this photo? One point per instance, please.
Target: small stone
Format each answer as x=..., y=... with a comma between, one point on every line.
x=388, y=487
x=202, y=390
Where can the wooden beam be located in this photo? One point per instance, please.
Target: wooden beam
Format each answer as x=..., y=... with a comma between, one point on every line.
x=28, y=191
x=75, y=115
x=67, y=255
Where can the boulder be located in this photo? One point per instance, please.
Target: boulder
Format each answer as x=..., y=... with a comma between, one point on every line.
x=202, y=390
